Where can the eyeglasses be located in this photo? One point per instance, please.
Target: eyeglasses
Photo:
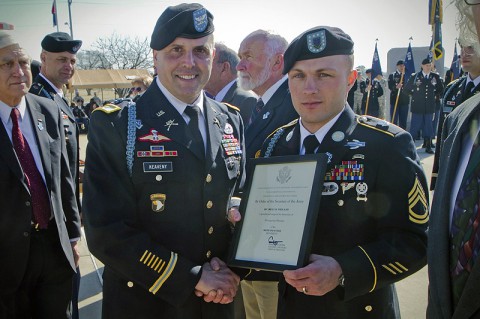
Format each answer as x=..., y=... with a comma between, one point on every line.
x=472, y=2
x=136, y=89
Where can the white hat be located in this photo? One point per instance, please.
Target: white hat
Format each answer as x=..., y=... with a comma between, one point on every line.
x=6, y=40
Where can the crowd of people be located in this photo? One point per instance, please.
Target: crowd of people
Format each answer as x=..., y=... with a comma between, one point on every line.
x=167, y=168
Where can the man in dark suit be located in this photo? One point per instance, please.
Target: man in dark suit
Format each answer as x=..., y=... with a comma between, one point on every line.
x=372, y=90
x=158, y=180
x=223, y=86
x=423, y=87
x=398, y=99
x=260, y=70
x=58, y=59
x=372, y=220
x=39, y=221
x=453, y=266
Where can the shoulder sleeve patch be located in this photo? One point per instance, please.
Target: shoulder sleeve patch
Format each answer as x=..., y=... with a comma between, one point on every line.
x=232, y=106
x=108, y=108
x=377, y=125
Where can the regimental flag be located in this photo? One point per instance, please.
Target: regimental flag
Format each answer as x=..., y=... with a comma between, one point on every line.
x=430, y=51
x=409, y=64
x=376, y=67
x=54, y=12
x=435, y=19
x=455, y=67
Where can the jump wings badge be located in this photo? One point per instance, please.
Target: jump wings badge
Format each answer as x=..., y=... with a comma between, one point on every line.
x=158, y=202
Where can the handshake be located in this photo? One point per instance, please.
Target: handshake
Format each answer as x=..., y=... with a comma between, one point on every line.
x=218, y=283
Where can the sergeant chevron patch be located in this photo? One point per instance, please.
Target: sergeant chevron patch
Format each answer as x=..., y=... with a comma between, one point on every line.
x=417, y=204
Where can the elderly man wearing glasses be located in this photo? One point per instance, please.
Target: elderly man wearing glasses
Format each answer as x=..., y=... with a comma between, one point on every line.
x=453, y=241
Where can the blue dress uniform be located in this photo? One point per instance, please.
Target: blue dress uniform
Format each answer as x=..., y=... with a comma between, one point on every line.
x=372, y=219
x=423, y=91
x=151, y=227
x=375, y=92
x=401, y=112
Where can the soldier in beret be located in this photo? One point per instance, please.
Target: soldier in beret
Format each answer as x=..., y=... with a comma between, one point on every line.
x=372, y=90
x=424, y=87
x=159, y=176
x=372, y=221
x=398, y=99
x=58, y=59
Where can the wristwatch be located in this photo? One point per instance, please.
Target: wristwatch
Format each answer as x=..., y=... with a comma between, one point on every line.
x=341, y=281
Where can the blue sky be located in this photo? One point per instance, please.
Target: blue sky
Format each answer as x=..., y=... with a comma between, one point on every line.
x=392, y=22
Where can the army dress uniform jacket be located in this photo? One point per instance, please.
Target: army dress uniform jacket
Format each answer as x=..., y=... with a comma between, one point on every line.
x=423, y=92
x=373, y=103
x=372, y=219
x=393, y=80
x=15, y=199
x=42, y=88
x=456, y=125
x=151, y=228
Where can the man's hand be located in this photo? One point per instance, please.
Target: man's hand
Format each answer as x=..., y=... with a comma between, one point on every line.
x=218, y=283
x=76, y=254
x=318, y=277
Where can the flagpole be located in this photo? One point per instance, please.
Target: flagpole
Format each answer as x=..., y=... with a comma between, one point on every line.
x=56, y=16
x=70, y=17
x=398, y=96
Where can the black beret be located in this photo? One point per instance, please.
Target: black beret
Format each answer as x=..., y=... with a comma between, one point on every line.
x=60, y=42
x=368, y=71
x=426, y=61
x=316, y=43
x=400, y=62
x=186, y=20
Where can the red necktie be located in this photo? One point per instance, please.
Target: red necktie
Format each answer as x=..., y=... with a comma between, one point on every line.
x=38, y=190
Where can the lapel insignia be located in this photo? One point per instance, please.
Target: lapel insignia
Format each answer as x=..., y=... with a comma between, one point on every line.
x=347, y=171
x=170, y=123
x=231, y=145
x=346, y=186
x=354, y=144
x=330, y=156
x=329, y=188
x=362, y=189
x=160, y=113
x=40, y=124
x=266, y=115
x=289, y=136
x=228, y=129
x=153, y=137
x=158, y=202
x=216, y=122
x=157, y=151
x=138, y=124
x=338, y=136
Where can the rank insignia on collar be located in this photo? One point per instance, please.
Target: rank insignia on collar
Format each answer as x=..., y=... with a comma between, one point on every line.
x=354, y=144
x=158, y=202
x=159, y=113
x=216, y=122
x=154, y=137
x=170, y=123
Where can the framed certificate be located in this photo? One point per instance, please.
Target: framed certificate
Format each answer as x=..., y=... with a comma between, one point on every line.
x=279, y=211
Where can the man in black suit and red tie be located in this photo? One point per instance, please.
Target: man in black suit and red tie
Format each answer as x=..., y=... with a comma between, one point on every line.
x=39, y=220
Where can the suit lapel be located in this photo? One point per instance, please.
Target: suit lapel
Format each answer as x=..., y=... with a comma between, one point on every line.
x=8, y=154
x=229, y=96
x=40, y=131
x=469, y=303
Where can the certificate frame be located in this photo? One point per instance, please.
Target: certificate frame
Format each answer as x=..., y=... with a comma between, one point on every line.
x=278, y=220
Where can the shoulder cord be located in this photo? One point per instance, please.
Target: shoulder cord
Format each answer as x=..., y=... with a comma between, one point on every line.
x=273, y=142
x=131, y=135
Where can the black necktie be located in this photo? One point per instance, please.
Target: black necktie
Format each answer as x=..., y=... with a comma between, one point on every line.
x=467, y=93
x=38, y=190
x=310, y=143
x=256, y=111
x=196, y=144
